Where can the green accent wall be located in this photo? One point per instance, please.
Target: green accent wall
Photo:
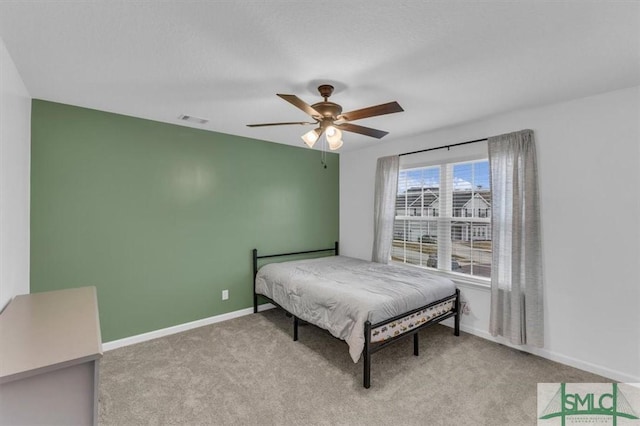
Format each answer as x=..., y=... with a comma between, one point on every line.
x=161, y=218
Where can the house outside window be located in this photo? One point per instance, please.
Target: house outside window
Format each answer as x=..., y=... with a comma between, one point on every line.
x=443, y=218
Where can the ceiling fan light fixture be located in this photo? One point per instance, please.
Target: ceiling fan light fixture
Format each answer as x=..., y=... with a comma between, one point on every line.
x=333, y=135
x=335, y=144
x=311, y=137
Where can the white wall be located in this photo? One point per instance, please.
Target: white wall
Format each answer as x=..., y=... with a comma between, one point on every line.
x=588, y=154
x=15, y=148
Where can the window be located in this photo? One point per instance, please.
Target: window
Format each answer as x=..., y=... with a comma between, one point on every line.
x=443, y=218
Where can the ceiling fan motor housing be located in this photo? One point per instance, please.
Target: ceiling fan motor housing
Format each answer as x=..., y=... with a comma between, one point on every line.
x=328, y=109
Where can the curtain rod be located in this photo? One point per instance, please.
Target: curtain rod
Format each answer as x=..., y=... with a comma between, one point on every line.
x=442, y=147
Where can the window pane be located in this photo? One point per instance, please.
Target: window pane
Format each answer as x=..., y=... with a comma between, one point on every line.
x=414, y=241
x=471, y=248
x=481, y=254
x=398, y=243
x=416, y=179
x=429, y=244
x=412, y=246
x=461, y=254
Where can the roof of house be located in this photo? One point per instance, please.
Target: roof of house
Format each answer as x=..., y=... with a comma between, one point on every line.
x=414, y=197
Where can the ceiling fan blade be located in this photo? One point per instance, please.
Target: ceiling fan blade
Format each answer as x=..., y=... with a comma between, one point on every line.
x=367, y=131
x=382, y=109
x=302, y=123
x=299, y=103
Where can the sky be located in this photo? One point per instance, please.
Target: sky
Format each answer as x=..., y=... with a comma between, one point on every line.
x=465, y=177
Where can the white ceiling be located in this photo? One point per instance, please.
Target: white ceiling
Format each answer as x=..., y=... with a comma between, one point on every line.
x=445, y=62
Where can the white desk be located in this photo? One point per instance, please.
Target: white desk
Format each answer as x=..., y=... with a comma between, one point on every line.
x=50, y=350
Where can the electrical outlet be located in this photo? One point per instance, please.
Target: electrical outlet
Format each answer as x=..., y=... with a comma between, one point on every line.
x=225, y=294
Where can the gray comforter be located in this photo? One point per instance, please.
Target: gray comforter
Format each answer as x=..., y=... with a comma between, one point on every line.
x=340, y=293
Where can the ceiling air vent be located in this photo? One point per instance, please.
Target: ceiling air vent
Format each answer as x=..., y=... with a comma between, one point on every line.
x=192, y=119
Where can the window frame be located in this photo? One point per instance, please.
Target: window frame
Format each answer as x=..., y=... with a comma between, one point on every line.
x=459, y=278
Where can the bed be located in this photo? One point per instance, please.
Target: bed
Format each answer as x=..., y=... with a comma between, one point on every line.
x=368, y=305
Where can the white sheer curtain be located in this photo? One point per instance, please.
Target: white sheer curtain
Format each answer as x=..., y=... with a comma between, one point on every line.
x=516, y=276
x=384, y=207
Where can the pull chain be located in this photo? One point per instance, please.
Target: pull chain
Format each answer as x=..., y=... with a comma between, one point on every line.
x=323, y=155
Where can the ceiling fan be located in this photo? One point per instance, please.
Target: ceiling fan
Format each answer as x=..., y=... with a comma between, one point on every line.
x=332, y=121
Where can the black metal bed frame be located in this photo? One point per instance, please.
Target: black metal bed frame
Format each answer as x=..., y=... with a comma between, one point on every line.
x=369, y=347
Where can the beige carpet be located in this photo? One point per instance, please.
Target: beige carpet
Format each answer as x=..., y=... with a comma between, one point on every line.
x=248, y=371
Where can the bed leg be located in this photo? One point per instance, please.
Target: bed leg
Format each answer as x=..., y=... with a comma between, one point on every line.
x=254, y=254
x=367, y=370
x=367, y=356
x=456, y=320
x=416, y=349
x=295, y=328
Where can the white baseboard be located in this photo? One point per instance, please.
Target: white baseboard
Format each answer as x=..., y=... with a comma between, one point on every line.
x=115, y=344
x=553, y=356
